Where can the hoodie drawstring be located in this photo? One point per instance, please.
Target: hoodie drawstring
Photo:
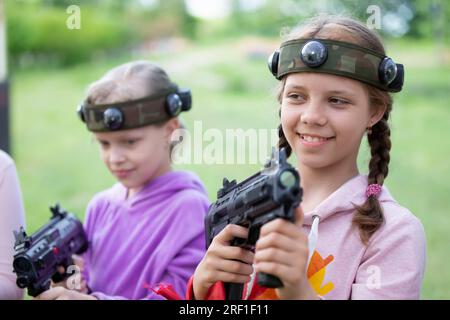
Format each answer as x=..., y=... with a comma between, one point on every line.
x=313, y=237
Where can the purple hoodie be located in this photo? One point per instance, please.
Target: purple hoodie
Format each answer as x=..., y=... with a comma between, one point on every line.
x=156, y=236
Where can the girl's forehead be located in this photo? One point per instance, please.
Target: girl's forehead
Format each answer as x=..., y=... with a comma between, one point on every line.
x=323, y=82
x=121, y=134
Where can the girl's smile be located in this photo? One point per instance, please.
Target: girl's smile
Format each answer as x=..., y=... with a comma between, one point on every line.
x=122, y=174
x=313, y=140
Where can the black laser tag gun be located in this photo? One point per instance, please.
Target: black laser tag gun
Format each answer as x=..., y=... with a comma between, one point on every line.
x=272, y=193
x=38, y=256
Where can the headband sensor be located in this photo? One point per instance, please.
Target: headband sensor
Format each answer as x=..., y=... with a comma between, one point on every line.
x=338, y=58
x=136, y=113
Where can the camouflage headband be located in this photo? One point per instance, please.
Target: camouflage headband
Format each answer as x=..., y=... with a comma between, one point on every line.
x=338, y=58
x=136, y=113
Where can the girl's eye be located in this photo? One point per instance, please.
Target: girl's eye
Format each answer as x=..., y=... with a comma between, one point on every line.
x=338, y=101
x=131, y=142
x=296, y=96
x=104, y=144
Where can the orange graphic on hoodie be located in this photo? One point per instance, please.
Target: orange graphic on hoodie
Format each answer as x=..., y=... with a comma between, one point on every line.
x=315, y=274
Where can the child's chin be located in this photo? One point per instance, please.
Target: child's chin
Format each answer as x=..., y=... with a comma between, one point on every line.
x=128, y=184
x=133, y=183
x=313, y=161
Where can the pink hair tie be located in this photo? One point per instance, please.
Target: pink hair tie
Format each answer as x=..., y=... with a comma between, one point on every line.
x=373, y=189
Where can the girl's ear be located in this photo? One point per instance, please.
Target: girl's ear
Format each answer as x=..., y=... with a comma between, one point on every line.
x=170, y=126
x=376, y=115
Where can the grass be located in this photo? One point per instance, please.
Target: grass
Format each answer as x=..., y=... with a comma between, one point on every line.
x=58, y=161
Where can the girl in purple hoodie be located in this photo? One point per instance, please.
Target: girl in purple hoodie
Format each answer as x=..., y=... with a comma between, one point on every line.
x=147, y=228
x=351, y=239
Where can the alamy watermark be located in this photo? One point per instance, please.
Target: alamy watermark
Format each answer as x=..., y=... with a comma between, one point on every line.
x=373, y=281
x=374, y=19
x=73, y=21
x=229, y=146
x=74, y=279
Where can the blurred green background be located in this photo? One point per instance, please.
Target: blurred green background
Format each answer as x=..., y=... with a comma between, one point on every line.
x=219, y=50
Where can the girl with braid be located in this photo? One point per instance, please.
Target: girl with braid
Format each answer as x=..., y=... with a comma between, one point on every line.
x=351, y=239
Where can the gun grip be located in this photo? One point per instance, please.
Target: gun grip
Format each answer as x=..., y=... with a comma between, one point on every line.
x=269, y=281
x=238, y=242
x=35, y=291
x=58, y=277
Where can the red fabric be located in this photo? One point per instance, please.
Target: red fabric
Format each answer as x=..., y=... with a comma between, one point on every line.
x=215, y=292
x=167, y=291
x=190, y=289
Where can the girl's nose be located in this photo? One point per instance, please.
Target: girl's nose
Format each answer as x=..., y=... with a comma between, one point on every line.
x=313, y=114
x=116, y=155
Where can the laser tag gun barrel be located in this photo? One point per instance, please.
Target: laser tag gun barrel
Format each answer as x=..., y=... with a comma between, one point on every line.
x=37, y=257
x=272, y=193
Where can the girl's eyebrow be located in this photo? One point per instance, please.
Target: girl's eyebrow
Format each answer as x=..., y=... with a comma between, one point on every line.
x=295, y=86
x=128, y=138
x=102, y=140
x=339, y=92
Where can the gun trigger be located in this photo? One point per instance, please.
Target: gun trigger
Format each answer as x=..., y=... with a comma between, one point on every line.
x=238, y=242
x=253, y=235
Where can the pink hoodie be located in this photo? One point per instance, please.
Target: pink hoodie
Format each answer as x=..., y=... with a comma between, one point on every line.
x=12, y=217
x=341, y=266
x=390, y=267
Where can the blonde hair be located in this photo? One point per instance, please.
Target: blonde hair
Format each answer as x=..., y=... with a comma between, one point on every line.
x=369, y=216
x=129, y=81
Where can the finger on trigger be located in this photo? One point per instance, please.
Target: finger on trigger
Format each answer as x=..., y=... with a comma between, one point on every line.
x=299, y=215
x=232, y=231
